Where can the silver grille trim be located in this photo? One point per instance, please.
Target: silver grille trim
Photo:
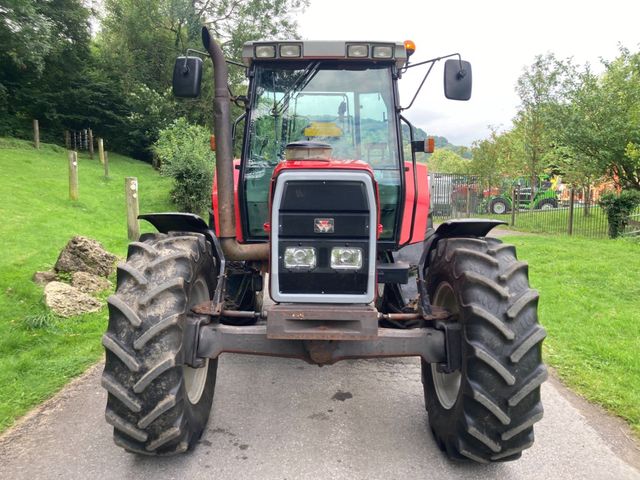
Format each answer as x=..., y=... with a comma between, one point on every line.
x=277, y=296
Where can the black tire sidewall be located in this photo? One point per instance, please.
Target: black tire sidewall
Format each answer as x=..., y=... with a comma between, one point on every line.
x=447, y=422
x=198, y=414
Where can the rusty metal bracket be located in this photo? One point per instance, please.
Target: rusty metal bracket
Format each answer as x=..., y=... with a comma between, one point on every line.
x=427, y=343
x=437, y=314
x=322, y=322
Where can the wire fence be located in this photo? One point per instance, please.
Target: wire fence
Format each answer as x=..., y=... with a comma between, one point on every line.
x=79, y=139
x=542, y=209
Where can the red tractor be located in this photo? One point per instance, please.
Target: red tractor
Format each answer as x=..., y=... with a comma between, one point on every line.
x=300, y=260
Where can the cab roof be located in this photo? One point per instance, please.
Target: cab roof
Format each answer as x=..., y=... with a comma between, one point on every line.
x=296, y=50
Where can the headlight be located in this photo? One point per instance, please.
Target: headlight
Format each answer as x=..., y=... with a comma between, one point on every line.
x=343, y=258
x=358, y=51
x=382, y=51
x=265, y=51
x=300, y=257
x=289, y=50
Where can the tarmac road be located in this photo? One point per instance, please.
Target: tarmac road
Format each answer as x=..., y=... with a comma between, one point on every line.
x=283, y=419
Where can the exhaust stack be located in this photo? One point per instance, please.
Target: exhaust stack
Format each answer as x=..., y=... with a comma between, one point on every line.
x=224, y=160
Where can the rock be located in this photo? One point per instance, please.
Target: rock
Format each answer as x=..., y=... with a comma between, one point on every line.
x=67, y=301
x=42, y=278
x=89, y=283
x=84, y=254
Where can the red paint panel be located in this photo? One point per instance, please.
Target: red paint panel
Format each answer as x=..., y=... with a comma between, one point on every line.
x=422, y=207
x=323, y=164
x=214, y=200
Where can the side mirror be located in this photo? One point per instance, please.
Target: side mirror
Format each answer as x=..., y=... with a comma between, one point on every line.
x=457, y=79
x=187, y=77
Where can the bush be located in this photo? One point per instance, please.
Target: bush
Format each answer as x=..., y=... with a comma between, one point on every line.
x=618, y=209
x=185, y=155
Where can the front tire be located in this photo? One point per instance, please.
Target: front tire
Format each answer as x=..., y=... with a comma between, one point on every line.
x=157, y=404
x=485, y=412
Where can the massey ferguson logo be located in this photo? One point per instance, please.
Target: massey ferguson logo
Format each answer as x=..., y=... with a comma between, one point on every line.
x=323, y=225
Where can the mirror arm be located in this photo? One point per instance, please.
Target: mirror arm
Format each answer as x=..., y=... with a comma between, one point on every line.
x=461, y=74
x=230, y=62
x=415, y=95
x=237, y=64
x=433, y=60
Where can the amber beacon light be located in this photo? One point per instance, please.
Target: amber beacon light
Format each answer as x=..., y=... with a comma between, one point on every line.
x=410, y=47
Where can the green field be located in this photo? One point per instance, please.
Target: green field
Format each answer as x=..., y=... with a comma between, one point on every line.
x=590, y=306
x=39, y=353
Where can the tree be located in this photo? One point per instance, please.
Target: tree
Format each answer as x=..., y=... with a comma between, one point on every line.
x=447, y=161
x=41, y=81
x=140, y=40
x=499, y=156
x=25, y=34
x=541, y=87
x=620, y=90
x=596, y=128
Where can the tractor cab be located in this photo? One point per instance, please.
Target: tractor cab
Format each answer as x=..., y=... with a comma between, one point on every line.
x=340, y=94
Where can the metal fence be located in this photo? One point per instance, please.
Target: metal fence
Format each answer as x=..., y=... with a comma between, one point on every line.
x=540, y=210
x=79, y=139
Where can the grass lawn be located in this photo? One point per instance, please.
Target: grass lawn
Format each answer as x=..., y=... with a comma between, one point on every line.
x=590, y=306
x=40, y=353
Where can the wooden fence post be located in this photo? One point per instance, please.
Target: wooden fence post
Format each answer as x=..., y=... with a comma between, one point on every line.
x=101, y=150
x=131, y=193
x=67, y=139
x=91, y=144
x=36, y=134
x=106, y=164
x=73, y=175
x=571, y=202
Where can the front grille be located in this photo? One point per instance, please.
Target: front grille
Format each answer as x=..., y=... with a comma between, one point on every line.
x=344, y=203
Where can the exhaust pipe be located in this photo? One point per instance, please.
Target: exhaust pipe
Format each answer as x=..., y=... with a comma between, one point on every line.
x=224, y=160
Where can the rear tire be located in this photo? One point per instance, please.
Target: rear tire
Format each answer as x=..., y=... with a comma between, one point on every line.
x=485, y=412
x=157, y=404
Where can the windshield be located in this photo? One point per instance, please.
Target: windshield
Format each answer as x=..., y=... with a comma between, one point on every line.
x=348, y=106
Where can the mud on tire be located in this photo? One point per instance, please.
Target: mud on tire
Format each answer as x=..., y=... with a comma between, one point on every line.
x=152, y=402
x=490, y=416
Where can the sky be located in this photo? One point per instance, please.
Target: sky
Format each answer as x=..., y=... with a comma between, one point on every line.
x=499, y=37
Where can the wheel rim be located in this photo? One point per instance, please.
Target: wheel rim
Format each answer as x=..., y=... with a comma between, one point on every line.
x=195, y=379
x=499, y=208
x=546, y=206
x=447, y=385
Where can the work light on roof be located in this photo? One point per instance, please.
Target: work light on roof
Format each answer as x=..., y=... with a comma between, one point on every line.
x=358, y=51
x=290, y=51
x=265, y=51
x=382, y=51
